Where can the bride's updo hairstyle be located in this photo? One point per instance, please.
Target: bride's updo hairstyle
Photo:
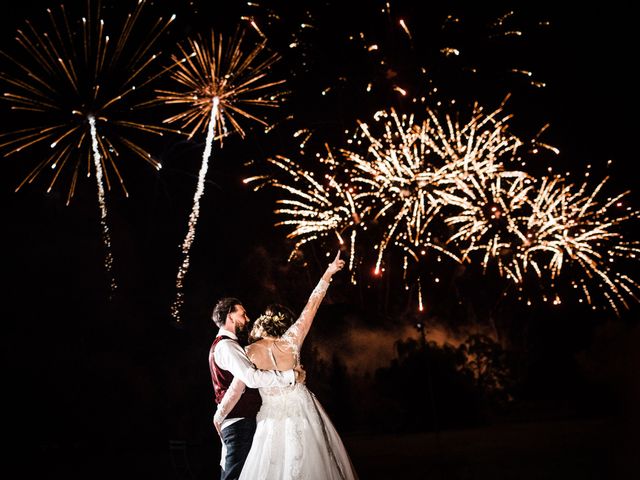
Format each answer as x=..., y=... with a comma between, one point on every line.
x=274, y=322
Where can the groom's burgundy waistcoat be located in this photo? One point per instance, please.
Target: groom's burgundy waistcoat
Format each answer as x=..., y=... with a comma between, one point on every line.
x=250, y=400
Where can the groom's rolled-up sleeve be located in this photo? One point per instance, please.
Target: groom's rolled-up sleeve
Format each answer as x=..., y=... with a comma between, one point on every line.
x=230, y=356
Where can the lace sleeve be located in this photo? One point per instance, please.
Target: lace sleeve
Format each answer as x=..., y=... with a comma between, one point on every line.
x=298, y=331
x=231, y=397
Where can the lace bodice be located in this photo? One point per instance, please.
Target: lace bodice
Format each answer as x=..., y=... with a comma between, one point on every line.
x=289, y=354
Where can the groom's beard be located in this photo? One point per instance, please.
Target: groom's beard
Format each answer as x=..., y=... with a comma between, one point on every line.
x=243, y=334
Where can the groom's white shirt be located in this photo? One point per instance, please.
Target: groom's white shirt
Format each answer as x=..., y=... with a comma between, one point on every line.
x=231, y=356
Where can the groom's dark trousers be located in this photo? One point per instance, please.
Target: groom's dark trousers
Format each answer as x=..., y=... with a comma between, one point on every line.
x=237, y=437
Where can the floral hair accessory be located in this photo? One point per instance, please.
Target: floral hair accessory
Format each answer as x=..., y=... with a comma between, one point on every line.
x=270, y=324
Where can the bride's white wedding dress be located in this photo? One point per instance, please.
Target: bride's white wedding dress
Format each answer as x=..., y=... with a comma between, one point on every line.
x=294, y=438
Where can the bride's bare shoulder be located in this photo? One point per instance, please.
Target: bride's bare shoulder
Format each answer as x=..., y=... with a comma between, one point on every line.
x=255, y=346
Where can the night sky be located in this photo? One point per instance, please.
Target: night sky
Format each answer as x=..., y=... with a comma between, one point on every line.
x=101, y=386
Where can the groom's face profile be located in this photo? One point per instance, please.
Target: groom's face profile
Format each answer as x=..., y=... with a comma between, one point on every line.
x=240, y=320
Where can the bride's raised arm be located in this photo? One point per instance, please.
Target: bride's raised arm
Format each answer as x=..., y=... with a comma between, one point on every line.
x=298, y=331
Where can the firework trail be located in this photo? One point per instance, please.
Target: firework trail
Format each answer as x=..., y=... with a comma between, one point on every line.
x=106, y=237
x=219, y=82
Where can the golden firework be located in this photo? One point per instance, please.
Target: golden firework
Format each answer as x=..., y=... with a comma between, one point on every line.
x=218, y=83
x=72, y=70
x=75, y=84
x=209, y=68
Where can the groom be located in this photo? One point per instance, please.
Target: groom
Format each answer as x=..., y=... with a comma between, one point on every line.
x=227, y=359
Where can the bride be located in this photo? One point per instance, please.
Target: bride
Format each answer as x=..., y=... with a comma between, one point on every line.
x=294, y=437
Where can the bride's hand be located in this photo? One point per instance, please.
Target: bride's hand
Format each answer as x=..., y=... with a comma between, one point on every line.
x=218, y=425
x=336, y=265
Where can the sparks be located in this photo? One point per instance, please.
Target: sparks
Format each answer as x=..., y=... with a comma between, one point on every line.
x=77, y=89
x=218, y=81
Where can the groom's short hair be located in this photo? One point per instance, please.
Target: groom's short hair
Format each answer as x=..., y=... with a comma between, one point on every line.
x=223, y=308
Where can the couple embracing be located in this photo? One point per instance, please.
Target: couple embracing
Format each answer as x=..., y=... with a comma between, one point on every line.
x=272, y=427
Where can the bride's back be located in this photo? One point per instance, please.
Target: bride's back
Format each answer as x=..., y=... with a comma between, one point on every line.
x=273, y=354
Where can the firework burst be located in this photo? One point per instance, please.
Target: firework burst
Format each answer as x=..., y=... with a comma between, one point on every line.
x=210, y=68
x=395, y=178
x=453, y=187
x=579, y=237
x=313, y=208
x=491, y=219
x=76, y=83
x=219, y=83
x=413, y=169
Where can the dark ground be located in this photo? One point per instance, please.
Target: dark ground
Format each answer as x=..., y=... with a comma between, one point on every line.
x=560, y=449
